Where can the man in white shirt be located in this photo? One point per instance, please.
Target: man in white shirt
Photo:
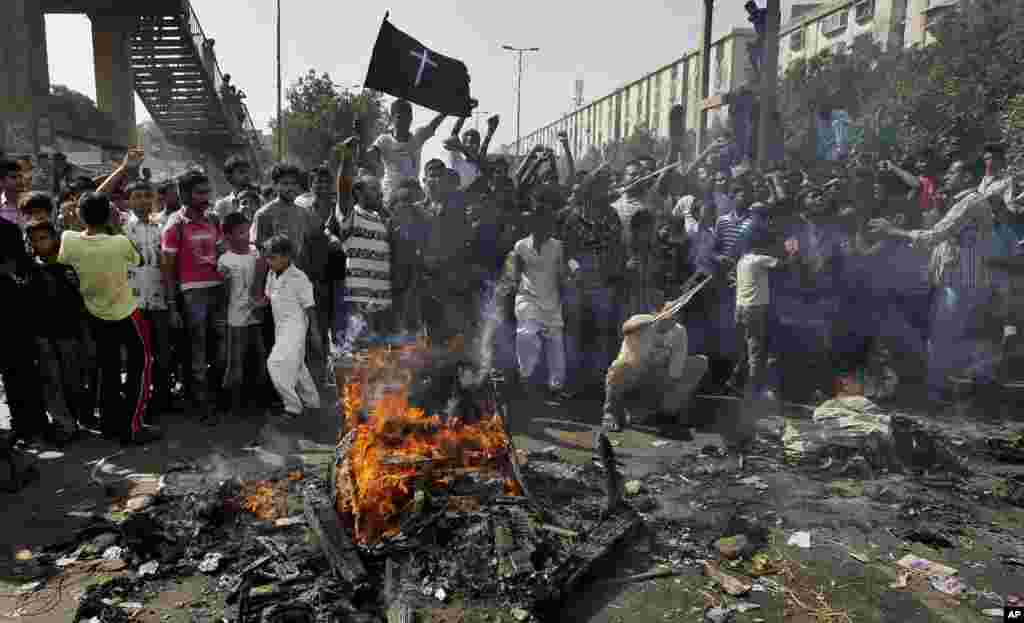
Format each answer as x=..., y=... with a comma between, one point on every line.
x=399, y=152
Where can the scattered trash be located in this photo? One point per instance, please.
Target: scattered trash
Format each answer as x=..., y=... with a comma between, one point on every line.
x=81, y=514
x=846, y=488
x=48, y=455
x=132, y=605
x=731, y=547
x=931, y=538
x=901, y=581
x=950, y=585
x=719, y=615
x=286, y=522
x=760, y=565
x=30, y=587
x=519, y=614
x=70, y=558
x=440, y=594
x=24, y=555
x=746, y=606
x=850, y=422
x=754, y=481
x=148, y=568
x=138, y=503
x=993, y=612
x=1014, y=600
x=925, y=566
x=113, y=553
x=800, y=539
x=211, y=562
x=710, y=450
x=730, y=584
x=633, y=487
x=859, y=557
x=661, y=443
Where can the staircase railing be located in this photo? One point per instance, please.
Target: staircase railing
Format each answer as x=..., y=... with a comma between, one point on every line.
x=209, y=60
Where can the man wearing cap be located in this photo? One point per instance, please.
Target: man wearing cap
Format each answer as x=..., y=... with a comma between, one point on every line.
x=653, y=374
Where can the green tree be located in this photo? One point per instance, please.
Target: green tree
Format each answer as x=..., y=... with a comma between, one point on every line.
x=319, y=116
x=955, y=93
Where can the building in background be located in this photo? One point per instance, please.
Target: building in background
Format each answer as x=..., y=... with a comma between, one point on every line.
x=647, y=102
x=811, y=29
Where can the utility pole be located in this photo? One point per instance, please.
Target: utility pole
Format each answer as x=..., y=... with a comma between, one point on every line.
x=280, y=118
x=768, y=133
x=705, y=73
x=519, y=90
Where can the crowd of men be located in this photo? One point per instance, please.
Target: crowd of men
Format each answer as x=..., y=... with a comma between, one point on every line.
x=124, y=298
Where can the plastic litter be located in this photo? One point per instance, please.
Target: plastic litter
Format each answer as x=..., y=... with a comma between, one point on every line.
x=924, y=565
x=148, y=568
x=950, y=585
x=211, y=562
x=800, y=539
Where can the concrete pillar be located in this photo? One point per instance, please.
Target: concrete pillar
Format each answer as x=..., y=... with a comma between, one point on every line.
x=25, y=81
x=115, y=79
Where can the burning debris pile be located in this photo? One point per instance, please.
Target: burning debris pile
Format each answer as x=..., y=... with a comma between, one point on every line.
x=429, y=507
x=417, y=431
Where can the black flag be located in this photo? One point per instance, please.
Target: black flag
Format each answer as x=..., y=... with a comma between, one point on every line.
x=405, y=68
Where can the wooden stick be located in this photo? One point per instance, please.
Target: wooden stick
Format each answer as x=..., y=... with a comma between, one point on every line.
x=569, y=534
x=663, y=572
x=335, y=541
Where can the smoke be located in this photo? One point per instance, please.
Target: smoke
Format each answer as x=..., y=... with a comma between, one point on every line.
x=356, y=328
x=489, y=322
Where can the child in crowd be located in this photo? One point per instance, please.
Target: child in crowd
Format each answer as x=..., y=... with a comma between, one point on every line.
x=535, y=272
x=37, y=207
x=245, y=315
x=61, y=333
x=142, y=227
x=291, y=302
x=102, y=262
x=753, y=310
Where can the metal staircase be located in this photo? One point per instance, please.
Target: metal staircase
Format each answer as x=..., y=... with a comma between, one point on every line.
x=178, y=79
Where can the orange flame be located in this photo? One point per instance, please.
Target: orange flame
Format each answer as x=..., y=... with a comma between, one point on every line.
x=399, y=448
x=267, y=499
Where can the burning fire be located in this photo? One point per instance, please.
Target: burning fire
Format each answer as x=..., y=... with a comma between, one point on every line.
x=399, y=449
x=268, y=499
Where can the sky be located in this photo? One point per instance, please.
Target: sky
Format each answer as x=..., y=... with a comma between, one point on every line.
x=605, y=47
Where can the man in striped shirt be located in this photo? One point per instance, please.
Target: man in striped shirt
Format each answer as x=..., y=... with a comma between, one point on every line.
x=730, y=235
x=965, y=280
x=366, y=242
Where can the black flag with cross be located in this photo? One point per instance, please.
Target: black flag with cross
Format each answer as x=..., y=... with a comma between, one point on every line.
x=405, y=68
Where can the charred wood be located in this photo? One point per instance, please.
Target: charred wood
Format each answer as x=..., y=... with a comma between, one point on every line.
x=335, y=541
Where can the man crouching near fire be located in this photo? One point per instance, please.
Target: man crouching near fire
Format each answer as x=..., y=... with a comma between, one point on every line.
x=653, y=374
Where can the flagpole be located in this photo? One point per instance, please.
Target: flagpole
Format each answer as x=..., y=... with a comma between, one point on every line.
x=280, y=118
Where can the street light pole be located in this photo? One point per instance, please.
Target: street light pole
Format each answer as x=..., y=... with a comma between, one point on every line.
x=519, y=90
x=768, y=132
x=280, y=118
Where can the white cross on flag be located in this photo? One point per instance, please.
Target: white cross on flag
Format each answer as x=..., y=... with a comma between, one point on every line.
x=403, y=67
